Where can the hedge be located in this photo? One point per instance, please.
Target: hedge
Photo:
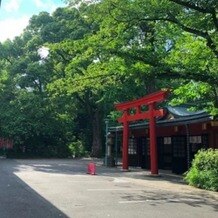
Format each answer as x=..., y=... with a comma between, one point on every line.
x=204, y=170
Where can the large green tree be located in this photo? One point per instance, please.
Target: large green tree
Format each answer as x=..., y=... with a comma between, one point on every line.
x=92, y=71
x=28, y=115
x=169, y=40
x=101, y=52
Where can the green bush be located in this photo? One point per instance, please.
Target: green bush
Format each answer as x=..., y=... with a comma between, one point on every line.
x=204, y=170
x=77, y=149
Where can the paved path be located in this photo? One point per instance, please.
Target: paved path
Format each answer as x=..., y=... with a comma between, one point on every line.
x=61, y=188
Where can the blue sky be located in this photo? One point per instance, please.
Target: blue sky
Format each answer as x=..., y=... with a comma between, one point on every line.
x=15, y=14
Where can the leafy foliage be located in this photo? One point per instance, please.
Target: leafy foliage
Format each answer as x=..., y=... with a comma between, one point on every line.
x=101, y=52
x=77, y=149
x=204, y=170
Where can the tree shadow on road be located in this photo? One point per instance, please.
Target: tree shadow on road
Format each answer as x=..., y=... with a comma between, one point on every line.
x=158, y=197
x=20, y=200
x=193, y=198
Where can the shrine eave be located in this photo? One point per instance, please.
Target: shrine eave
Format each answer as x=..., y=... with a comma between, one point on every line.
x=184, y=119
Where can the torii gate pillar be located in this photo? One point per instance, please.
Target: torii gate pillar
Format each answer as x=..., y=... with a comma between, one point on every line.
x=149, y=100
x=125, y=144
x=153, y=140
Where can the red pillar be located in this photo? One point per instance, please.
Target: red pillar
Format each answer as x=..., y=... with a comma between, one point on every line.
x=125, y=145
x=153, y=141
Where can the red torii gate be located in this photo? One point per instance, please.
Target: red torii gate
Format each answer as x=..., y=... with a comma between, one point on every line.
x=150, y=101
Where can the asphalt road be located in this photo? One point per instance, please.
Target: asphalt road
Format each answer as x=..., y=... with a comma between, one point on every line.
x=61, y=188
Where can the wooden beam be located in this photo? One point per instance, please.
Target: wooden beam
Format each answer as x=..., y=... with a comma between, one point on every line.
x=140, y=116
x=148, y=99
x=214, y=123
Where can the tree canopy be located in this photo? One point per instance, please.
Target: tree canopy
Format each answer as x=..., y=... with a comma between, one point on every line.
x=99, y=53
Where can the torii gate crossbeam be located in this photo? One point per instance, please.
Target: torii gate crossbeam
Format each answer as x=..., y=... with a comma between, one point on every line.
x=149, y=100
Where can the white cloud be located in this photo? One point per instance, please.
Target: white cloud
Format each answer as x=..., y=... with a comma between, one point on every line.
x=39, y=3
x=43, y=52
x=12, y=27
x=12, y=5
x=47, y=5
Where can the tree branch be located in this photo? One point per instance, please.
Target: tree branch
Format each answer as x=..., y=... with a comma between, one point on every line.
x=62, y=56
x=211, y=11
x=215, y=20
x=192, y=6
x=203, y=34
x=171, y=18
x=215, y=91
x=196, y=76
x=8, y=60
x=167, y=72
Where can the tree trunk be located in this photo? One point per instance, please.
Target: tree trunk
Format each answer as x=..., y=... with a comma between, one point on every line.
x=151, y=85
x=96, y=138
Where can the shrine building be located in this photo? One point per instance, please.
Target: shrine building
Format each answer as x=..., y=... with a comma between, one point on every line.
x=166, y=138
